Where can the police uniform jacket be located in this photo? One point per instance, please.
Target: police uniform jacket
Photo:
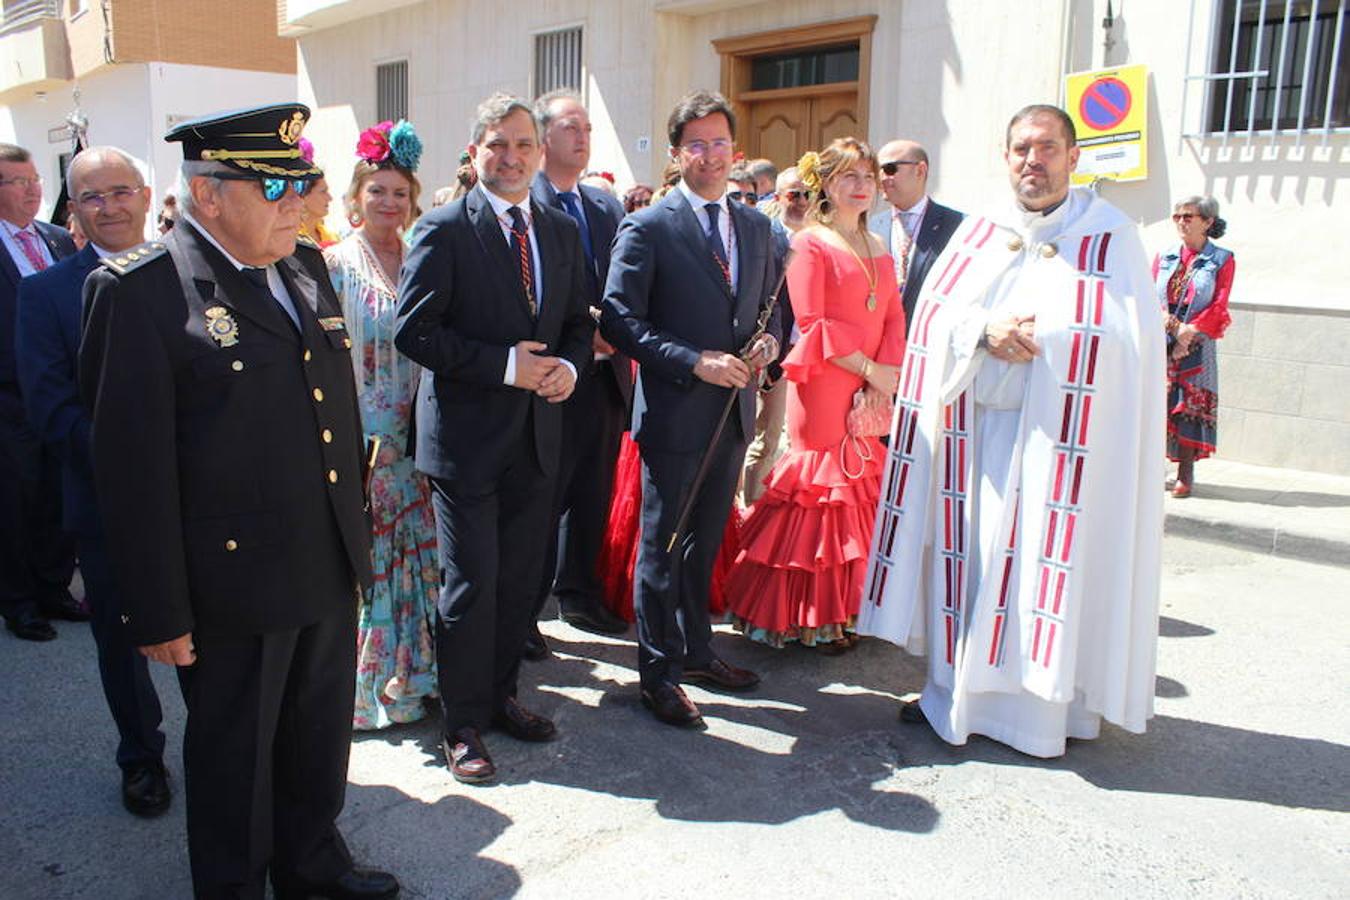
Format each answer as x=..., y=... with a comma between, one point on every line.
x=227, y=445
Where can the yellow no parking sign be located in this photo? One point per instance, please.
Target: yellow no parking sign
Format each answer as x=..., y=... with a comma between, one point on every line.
x=1109, y=107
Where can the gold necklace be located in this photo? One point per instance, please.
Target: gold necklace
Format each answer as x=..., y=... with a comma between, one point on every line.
x=869, y=269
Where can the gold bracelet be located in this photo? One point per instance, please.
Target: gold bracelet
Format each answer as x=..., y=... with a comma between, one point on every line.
x=866, y=368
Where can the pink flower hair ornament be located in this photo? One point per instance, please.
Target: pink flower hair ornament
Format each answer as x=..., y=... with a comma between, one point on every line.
x=390, y=142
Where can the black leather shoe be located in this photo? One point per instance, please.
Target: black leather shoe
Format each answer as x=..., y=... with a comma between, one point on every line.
x=536, y=649
x=354, y=884
x=522, y=724
x=29, y=625
x=722, y=676
x=58, y=604
x=467, y=757
x=911, y=713
x=671, y=705
x=590, y=615
x=145, y=790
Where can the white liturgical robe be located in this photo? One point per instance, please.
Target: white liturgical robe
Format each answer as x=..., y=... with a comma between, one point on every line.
x=1019, y=533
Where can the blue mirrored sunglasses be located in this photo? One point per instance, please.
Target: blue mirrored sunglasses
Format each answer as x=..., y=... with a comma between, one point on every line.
x=273, y=189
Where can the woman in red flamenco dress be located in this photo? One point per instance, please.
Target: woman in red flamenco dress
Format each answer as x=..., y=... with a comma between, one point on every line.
x=799, y=574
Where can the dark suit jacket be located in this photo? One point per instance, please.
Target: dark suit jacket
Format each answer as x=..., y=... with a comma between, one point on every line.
x=938, y=225
x=60, y=244
x=47, y=354
x=461, y=309
x=603, y=215
x=228, y=469
x=666, y=301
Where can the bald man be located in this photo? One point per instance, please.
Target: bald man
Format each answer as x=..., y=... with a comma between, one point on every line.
x=915, y=227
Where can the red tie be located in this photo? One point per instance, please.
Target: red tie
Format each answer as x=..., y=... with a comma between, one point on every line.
x=31, y=249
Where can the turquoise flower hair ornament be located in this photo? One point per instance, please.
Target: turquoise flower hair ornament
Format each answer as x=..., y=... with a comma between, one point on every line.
x=391, y=142
x=404, y=145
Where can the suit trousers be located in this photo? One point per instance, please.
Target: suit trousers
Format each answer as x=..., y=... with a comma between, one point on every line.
x=130, y=693
x=269, y=727
x=492, y=540
x=594, y=420
x=671, y=589
x=36, y=556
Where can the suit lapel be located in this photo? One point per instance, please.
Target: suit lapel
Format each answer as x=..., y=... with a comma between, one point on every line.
x=8, y=266
x=489, y=232
x=601, y=228
x=49, y=238
x=218, y=281
x=686, y=223
x=550, y=259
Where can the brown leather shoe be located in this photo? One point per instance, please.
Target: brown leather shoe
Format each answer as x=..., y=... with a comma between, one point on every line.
x=522, y=724
x=911, y=713
x=468, y=757
x=669, y=704
x=723, y=676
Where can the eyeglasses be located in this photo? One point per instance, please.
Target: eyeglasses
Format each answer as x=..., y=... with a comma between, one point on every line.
x=703, y=148
x=794, y=196
x=640, y=202
x=748, y=197
x=23, y=182
x=98, y=200
x=890, y=168
x=273, y=189
x=1183, y=217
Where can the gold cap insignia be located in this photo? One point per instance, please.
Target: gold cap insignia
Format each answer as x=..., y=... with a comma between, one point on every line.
x=222, y=327
x=290, y=129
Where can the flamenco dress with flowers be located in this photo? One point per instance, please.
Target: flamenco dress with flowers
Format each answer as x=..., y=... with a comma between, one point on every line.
x=799, y=574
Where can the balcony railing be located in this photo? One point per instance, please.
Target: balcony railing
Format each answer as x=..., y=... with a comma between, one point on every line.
x=16, y=14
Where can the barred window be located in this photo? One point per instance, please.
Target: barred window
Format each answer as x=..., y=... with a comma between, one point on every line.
x=1279, y=65
x=391, y=91
x=557, y=60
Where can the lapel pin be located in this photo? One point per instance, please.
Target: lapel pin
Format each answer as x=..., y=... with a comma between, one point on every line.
x=222, y=327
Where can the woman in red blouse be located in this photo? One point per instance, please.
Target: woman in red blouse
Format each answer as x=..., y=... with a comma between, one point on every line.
x=1193, y=280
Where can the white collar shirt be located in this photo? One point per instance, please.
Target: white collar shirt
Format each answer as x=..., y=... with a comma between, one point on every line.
x=727, y=232
x=8, y=230
x=275, y=283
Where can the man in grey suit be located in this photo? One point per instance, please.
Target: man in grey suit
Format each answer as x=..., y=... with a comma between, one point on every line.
x=915, y=227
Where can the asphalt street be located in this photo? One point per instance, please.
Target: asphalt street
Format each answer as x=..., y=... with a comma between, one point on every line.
x=809, y=786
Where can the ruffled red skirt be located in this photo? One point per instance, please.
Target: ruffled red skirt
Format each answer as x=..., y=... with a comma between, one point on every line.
x=618, y=554
x=804, y=545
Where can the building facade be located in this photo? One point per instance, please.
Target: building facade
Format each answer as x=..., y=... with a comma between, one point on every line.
x=132, y=69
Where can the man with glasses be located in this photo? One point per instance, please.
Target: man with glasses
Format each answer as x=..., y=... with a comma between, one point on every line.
x=229, y=463
x=687, y=281
x=110, y=202
x=916, y=228
x=37, y=559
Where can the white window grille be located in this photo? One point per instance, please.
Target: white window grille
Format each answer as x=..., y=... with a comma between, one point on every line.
x=1276, y=68
x=557, y=60
x=391, y=91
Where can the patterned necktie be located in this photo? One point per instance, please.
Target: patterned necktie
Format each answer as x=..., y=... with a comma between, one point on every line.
x=900, y=237
x=520, y=243
x=714, y=236
x=28, y=243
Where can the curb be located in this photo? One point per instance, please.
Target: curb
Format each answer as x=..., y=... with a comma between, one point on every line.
x=1259, y=539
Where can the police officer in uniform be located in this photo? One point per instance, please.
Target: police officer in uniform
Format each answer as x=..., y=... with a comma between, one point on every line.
x=229, y=463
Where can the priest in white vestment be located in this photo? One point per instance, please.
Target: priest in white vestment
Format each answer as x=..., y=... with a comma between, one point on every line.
x=1019, y=533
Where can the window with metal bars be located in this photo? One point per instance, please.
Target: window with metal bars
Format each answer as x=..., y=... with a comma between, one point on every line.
x=557, y=60
x=391, y=91
x=1279, y=65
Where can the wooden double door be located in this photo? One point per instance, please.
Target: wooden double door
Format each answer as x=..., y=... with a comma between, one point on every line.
x=783, y=128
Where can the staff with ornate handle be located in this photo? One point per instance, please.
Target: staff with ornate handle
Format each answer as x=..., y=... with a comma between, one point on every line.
x=705, y=462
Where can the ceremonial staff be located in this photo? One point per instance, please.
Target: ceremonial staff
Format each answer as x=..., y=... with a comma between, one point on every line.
x=696, y=485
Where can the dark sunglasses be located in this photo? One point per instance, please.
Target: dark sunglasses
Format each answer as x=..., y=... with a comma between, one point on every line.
x=891, y=168
x=1183, y=217
x=743, y=196
x=794, y=196
x=273, y=189
x=639, y=202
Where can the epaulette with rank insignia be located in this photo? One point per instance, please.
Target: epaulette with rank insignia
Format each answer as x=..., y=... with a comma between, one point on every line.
x=122, y=263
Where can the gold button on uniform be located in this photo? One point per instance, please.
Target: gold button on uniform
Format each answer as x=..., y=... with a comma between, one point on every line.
x=318, y=394
x=237, y=365
x=231, y=545
x=308, y=356
x=332, y=476
x=327, y=436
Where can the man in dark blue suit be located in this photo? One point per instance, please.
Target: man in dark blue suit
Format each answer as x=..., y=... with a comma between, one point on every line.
x=110, y=201
x=37, y=560
x=595, y=417
x=687, y=280
x=492, y=303
x=916, y=227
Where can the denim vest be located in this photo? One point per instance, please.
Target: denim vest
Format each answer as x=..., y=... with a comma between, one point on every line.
x=1205, y=270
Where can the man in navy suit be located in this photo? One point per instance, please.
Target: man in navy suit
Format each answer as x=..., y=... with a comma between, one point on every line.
x=595, y=417
x=492, y=303
x=687, y=280
x=37, y=560
x=110, y=201
x=915, y=227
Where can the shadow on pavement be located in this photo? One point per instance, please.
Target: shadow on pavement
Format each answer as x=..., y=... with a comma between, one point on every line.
x=1267, y=497
x=1169, y=627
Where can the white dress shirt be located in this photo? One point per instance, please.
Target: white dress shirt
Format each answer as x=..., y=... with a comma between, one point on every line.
x=275, y=284
x=21, y=261
x=728, y=233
